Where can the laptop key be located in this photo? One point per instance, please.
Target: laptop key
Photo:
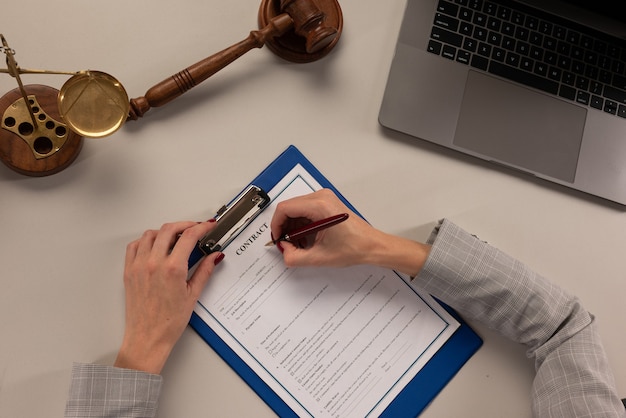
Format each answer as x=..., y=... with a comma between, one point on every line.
x=610, y=107
x=490, y=8
x=512, y=59
x=448, y=52
x=508, y=43
x=480, y=19
x=597, y=102
x=564, y=63
x=573, y=37
x=568, y=78
x=550, y=58
x=583, y=97
x=535, y=38
x=545, y=27
x=504, y=13
x=614, y=51
x=615, y=94
x=498, y=54
x=480, y=34
x=446, y=22
x=582, y=83
x=522, y=48
x=567, y=92
x=446, y=36
x=600, y=47
x=596, y=88
x=517, y=18
x=554, y=73
x=549, y=43
x=522, y=33
x=586, y=42
x=463, y=57
x=536, y=53
x=434, y=47
x=466, y=14
x=532, y=23
x=466, y=29
x=523, y=77
x=479, y=62
x=578, y=67
x=494, y=24
x=494, y=38
x=484, y=49
x=559, y=32
x=469, y=44
x=606, y=76
x=476, y=4
x=541, y=69
x=527, y=64
x=619, y=82
x=508, y=29
x=447, y=8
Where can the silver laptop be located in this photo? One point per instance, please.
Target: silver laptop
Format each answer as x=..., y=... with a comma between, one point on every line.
x=536, y=85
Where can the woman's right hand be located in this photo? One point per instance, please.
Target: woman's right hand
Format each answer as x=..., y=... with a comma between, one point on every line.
x=349, y=243
x=345, y=244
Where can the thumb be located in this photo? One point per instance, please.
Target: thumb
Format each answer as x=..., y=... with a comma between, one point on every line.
x=203, y=272
x=294, y=256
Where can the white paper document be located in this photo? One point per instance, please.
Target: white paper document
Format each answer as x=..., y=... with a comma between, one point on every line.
x=331, y=342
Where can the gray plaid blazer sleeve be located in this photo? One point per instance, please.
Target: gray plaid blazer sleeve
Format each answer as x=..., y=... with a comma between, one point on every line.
x=105, y=391
x=482, y=283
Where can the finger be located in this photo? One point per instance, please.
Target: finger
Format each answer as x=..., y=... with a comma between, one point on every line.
x=145, y=244
x=278, y=220
x=292, y=255
x=189, y=238
x=314, y=206
x=168, y=235
x=203, y=273
x=131, y=254
x=289, y=211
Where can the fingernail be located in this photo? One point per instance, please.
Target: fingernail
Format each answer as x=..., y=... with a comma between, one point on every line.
x=280, y=247
x=211, y=220
x=219, y=259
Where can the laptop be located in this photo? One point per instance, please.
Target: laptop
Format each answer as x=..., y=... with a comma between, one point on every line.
x=535, y=85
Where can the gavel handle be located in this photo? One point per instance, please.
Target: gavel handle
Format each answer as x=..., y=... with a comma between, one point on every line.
x=179, y=83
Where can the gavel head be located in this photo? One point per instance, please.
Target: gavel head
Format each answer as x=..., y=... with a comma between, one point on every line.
x=309, y=22
x=317, y=26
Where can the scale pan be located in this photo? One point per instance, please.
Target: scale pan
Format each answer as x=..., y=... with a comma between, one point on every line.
x=93, y=104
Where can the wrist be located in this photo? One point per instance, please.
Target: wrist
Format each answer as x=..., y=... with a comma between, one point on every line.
x=400, y=254
x=138, y=356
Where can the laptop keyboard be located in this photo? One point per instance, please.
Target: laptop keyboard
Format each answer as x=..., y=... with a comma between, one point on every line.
x=553, y=55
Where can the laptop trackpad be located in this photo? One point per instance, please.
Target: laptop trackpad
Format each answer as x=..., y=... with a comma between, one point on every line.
x=519, y=126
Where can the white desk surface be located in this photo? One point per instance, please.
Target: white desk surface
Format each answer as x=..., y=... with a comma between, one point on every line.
x=64, y=236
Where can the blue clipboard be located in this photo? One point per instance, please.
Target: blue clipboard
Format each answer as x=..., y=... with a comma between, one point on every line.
x=417, y=394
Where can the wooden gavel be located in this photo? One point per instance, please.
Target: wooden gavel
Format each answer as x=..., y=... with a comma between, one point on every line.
x=317, y=29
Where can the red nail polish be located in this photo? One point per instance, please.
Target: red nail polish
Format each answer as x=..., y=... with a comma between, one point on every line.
x=280, y=247
x=211, y=220
x=219, y=259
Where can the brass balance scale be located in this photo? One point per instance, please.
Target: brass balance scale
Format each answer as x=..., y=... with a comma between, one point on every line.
x=42, y=128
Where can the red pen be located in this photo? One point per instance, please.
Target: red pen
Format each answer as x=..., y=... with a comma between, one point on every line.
x=309, y=229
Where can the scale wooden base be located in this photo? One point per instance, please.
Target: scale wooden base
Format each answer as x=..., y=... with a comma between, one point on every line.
x=36, y=149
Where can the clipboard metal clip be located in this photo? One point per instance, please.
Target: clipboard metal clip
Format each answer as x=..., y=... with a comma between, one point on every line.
x=233, y=218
